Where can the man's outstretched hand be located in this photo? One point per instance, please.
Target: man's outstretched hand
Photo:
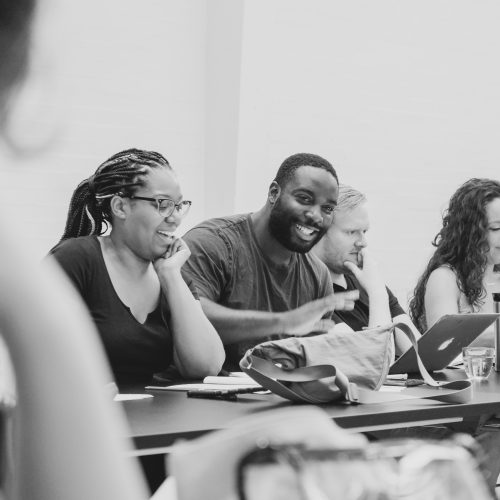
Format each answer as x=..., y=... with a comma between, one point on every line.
x=308, y=318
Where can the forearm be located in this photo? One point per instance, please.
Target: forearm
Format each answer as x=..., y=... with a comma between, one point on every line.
x=403, y=343
x=379, y=311
x=197, y=347
x=234, y=325
x=380, y=314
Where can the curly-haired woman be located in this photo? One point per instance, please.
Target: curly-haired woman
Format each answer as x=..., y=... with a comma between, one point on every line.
x=461, y=274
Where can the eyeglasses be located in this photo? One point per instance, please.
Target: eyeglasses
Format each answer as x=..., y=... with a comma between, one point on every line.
x=166, y=206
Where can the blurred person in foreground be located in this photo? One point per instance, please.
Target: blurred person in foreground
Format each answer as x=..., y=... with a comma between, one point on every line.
x=67, y=439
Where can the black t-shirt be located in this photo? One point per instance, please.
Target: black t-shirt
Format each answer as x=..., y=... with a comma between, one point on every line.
x=359, y=316
x=135, y=351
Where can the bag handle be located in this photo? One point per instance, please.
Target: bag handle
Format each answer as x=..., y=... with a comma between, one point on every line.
x=269, y=375
x=421, y=367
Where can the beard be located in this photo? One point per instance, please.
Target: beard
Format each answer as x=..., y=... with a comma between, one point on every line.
x=282, y=227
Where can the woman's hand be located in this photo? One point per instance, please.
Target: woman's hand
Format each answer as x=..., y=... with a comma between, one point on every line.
x=173, y=259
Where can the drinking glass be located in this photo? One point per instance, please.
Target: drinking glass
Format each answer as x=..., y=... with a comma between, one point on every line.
x=478, y=361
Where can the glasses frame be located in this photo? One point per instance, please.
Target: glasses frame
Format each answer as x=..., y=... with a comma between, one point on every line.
x=175, y=206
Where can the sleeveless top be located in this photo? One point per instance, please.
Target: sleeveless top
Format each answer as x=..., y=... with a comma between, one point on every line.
x=487, y=338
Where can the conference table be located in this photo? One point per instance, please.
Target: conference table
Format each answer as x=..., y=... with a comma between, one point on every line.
x=158, y=422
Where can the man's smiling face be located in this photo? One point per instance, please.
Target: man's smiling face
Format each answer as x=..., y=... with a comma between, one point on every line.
x=303, y=210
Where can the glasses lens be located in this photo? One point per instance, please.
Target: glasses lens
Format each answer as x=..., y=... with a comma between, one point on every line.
x=166, y=207
x=184, y=207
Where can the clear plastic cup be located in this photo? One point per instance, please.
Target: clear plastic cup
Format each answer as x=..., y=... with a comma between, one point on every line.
x=478, y=362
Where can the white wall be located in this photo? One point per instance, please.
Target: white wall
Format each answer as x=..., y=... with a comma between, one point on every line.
x=402, y=97
x=129, y=73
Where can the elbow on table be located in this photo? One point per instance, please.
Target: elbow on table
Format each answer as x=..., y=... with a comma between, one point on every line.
x=215, y=365
x=200, y=371
x=211, y=365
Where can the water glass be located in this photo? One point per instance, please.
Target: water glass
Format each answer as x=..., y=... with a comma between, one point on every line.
x=478, y=361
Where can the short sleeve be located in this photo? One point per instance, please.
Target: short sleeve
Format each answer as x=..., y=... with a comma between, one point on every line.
x=74, y=260
x=207, y=267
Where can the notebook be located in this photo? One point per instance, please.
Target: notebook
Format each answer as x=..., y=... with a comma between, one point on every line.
x=443, y=341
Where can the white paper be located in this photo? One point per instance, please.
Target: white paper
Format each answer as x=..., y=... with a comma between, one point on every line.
x=240, y=374
x=189, y=387
x=131, y=397
x=231, y=381
x=392, y=388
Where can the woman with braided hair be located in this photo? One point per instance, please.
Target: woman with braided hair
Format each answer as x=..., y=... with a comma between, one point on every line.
x=461, y=275
x=130, y=279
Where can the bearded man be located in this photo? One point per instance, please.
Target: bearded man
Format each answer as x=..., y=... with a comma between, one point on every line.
x=254, y=275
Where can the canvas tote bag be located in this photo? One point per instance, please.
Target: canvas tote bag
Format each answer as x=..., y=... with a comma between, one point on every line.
x=341, y=365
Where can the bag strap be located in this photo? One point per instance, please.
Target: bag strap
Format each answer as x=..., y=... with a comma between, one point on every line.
x=422, y=369
x=269, y=375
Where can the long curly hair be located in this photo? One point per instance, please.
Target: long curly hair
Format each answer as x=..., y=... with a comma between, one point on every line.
x=462, y=244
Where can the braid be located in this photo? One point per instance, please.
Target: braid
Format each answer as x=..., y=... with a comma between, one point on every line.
x=89, y=210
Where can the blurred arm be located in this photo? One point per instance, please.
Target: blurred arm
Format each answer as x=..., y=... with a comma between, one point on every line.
x=69, y=442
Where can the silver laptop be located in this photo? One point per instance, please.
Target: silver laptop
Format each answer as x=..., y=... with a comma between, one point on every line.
x=443, y=341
